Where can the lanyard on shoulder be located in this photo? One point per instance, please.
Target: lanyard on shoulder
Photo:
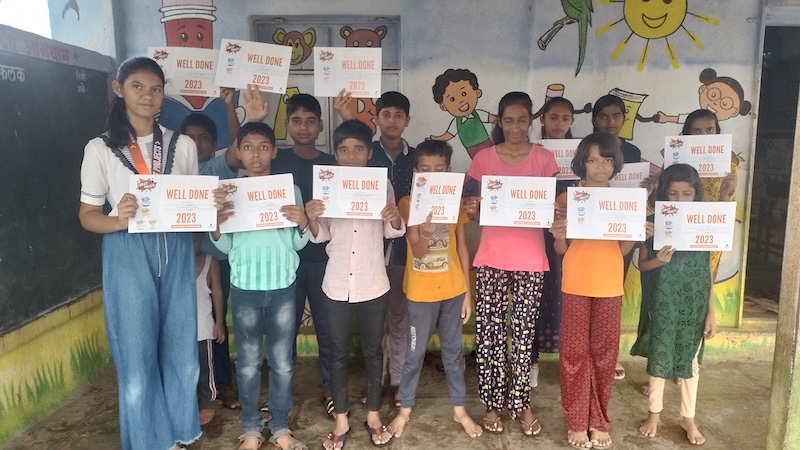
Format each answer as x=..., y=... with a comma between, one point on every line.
x=138, y=158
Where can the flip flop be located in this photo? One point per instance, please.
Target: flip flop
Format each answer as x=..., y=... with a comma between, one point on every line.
x=377, y=432
x=493, y=426
x=328, y=402
x=596, y=444
x=528, y=428
x=338, y=438
x=619, y=372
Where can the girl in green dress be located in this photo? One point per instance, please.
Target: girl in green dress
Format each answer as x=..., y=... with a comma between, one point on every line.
x=677, y=310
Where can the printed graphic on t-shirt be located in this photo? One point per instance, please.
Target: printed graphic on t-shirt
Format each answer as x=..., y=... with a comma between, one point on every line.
x=437, y=259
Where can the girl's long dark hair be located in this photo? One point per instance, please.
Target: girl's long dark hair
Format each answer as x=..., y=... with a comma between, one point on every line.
x=602, y=103
x=512, y=98
x=698, y=114
x=679, y=172
x=120, y=129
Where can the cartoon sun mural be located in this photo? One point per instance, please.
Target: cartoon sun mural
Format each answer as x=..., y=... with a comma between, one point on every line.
x=654, y=19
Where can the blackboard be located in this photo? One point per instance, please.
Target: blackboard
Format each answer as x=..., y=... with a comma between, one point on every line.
x=48, y=111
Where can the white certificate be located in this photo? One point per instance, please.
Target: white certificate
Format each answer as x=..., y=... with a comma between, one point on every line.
x=710, y=154
x=697, y=226
x=243, y=62
x=563, y=150
x=173, y=203
x=351, y=192
x=188, y=70
x=355, y=69
x=606, y=213
x=257, y=202
x=438, y=193
x=631, y=175
x=527, y=202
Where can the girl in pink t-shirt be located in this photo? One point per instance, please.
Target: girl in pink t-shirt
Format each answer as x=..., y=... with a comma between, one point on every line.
x=509, y=260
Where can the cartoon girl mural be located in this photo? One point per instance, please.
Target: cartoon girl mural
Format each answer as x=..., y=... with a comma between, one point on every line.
x=723, y=96
x=188, y=23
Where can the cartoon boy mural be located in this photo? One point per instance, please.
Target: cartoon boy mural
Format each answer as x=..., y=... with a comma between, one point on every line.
x=723, y=96
x=188, y=23
x=456, y=91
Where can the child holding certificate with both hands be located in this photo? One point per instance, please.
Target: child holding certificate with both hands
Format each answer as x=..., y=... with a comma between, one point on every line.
x=509, y=260
x=592, y=303
x=263, y=271
x=677, y=311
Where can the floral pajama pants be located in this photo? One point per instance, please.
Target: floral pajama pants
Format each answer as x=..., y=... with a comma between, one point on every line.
x=499, y=387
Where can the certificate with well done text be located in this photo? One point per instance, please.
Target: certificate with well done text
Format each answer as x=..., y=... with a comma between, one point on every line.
x=244, y=62
x=710, y=154
x=631, y=175
x=563, y=150
x=188, y=70
x=694, y=226
x=508, y=201
x=257, y=202
x=355, y=69
x=606, y=213
x=351, y=192
x=173, y=203
x=435, y=193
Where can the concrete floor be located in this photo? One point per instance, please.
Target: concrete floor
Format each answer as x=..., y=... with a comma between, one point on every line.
x=732, y=413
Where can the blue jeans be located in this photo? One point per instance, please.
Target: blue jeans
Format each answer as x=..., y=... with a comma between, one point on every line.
x=257, y=314
x=150, y=306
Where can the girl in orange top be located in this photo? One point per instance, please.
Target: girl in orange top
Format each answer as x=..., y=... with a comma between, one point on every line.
x=591, y=305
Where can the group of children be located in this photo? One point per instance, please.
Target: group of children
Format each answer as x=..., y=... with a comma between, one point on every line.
x=376, y=268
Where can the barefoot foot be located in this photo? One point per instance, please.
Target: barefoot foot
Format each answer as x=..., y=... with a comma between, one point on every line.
x=649, y=426
x=646, y=389
x=397, y=425
x=578, y=439
x=692, y=433
x=207, y=415
x=472, y=429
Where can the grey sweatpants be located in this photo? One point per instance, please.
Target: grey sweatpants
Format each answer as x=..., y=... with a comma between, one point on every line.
x=423, y=318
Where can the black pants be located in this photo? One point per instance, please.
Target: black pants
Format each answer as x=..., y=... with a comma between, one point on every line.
x=371, y=316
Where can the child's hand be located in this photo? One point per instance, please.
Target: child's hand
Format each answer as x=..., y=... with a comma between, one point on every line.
x=226, y=94
x=665, y=254
x=295, y=214
x=219, y=332
x=126, y=208
x=224, y=207
x=727, y=187
x=559, y=229
x=341, y=103
x=314, y=209
x=466, y=308
x=427, y=228
x=710, y=329
x=392, y=214
x=255, y=108
x=561, y=210
x=649, y=229
x=470, y=204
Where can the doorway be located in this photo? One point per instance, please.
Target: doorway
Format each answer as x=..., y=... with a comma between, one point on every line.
x=780, y=79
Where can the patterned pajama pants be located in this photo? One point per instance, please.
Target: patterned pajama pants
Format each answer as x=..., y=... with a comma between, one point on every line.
x=588, y=354
x=497, y=388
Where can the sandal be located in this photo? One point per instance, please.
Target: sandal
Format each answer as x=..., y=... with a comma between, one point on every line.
x=266, y=415
x=530, y=429
x=619, y=372
x=378, y=432
x=245, y=440
x=396, y=396
x=328, y=402
x=493, y=426
x=595, y=443
x=229, y=397
x=336, y=439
